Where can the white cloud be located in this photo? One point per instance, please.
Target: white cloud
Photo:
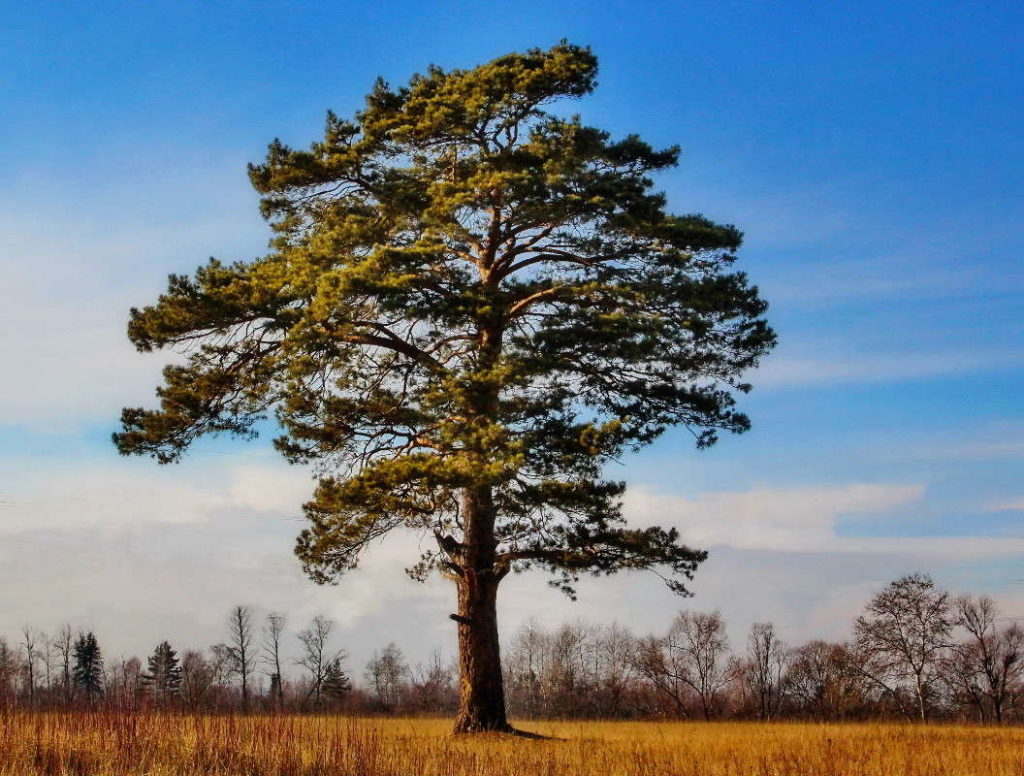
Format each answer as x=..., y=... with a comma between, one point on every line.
x=165, y=552
x=142, y=553
x=1013, y=505
x=1003, y=439
x=67, y=289
x=785, y=371
x=803, y=519
x=767, y=518
x=114, y=497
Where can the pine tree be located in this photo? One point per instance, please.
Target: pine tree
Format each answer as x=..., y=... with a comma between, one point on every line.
x=470, y=307
x=88, y=671
x=336, y=684
x=163, y=679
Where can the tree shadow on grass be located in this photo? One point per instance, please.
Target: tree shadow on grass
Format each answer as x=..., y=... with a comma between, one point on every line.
x=512, y=732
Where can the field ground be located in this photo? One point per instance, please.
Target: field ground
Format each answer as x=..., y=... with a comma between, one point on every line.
x=162, y=744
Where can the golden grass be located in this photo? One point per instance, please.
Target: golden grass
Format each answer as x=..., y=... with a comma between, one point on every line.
x=163, y=744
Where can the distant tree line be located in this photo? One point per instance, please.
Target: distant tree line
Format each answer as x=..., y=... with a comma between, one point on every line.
x=916, y=652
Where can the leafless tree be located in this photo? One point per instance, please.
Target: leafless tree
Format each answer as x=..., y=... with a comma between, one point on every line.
x=616, y=651
x=197, y=679
x=8, y=671
x=578, y=669
x=242, y=650
x=30, y=643
x=432, y=685
x=989, y=664
x=124, y=682
x=386, y=673
x=765, y=664
x=568, y=669
x=316, y=658
x=64, y=642
x=699, y=638
x=656, y=665
x=46, y=659
x=905, y=632
x=273, y=628
x=692, y=657
x=525, y=666
x=826, y=680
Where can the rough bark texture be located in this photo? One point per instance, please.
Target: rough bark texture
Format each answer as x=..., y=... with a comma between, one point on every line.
x=481, y=687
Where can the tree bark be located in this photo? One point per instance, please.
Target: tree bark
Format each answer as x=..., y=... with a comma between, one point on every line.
x=481, y=684
x=919, y=687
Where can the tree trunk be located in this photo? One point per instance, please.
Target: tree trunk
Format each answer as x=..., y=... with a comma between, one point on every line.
x=481, y=684
x=921, y=711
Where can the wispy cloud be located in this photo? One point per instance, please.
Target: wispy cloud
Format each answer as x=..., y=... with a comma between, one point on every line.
x=802, y=519
x=67, y=291
x=145, y=553
x=1013, y=505
x=988, y=443
x=165, y=553
x=788, y=371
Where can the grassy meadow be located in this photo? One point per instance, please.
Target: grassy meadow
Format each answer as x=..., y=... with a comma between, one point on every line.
x=152, y=743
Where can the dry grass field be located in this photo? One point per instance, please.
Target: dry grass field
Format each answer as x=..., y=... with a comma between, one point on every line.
x=156, y=744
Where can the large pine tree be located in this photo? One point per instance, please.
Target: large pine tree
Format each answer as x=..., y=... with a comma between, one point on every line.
x=470, y=306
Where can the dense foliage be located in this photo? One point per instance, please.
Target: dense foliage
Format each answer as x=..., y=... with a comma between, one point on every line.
x=466, y=296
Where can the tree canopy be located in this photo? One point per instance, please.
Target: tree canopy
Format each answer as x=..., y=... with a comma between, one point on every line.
x=464, y=290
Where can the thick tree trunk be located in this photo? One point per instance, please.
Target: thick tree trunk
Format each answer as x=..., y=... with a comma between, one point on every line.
x=481, y=684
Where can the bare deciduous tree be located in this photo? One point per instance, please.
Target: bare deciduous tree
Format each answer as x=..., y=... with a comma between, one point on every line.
x=64, y=642
x=765, y=664
x=29, y=642
x=386, y=673
x=8, y=671
x=526, y=667
x=273, y=628
x=241, y=646
x=693, y=656
x=826, y=680
x=616, y=648
x=46, y=659
x=197, y=679
x=316, y=658
x=989, y=664
x=905, y=632
x=432, y=685
x=125, y=682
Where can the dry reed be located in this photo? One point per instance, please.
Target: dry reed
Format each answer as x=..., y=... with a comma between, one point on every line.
x=81, y=744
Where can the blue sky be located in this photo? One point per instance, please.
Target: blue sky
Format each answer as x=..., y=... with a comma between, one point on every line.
x=871, y=152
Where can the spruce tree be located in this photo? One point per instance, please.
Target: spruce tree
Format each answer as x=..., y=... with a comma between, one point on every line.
x=336, y=684
x=163, y=679
x=470, y=306
x=88, y=671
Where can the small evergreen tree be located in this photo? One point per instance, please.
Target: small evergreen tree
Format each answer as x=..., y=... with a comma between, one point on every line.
x=336, y=684
x=276, y=689
x=88, y=672
x=163, y=680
